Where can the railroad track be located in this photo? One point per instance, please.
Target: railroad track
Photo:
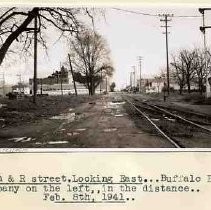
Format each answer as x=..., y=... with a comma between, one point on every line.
x=143, y=108
x=181, y=118
x=171, y=140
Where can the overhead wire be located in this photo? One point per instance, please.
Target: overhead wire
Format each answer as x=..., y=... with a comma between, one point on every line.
x=154, y=15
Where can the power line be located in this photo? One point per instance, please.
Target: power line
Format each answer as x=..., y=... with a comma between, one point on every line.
x=134, y=12
x=187, y=16
x=154, y=15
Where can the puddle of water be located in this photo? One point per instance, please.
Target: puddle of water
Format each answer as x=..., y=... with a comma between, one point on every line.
x=73, y=134
x=28, y=139
x=154, y=119
x=81, y=129
x=117, y=102
x=3, y=105
x=70, y=109
x=57, y=142
x=39, y=143
x=21, y=139
x=114, y=105
x=110, y=129
x=118, y=115
x=70, y=117
x=140, y=132
x=170, y=119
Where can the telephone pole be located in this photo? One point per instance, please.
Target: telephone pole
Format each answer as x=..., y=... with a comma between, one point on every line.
x=139, y=59
x=19, y=82
x=71, y=70
x=3, y=82
x=166, y=18
x=134, y=76
x=35, y=60
x=131, y=82
x=202, y=29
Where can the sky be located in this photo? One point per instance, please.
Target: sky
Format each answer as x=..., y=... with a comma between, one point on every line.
x=128, y=35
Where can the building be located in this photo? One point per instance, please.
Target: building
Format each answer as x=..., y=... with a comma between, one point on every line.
x=156, y=85
x=61, y=82
x=4, y=89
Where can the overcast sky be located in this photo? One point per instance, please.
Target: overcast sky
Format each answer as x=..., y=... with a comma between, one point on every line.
x=129, y=35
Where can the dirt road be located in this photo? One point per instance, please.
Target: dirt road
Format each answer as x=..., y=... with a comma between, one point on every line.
x=100, y=122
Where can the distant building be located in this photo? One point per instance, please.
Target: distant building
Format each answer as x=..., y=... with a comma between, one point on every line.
x=60, y=82
x=155, y=85
x=21, y=88
x=4, y=89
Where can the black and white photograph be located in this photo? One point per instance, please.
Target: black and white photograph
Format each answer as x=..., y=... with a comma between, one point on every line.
x=105, y=77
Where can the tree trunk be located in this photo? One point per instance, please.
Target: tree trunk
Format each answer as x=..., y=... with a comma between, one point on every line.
x=14, y=35
x=180, y=90
x=201, y=87
x=92, y=87
x=188, y=84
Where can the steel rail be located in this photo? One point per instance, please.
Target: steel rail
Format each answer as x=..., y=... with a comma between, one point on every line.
x=156, y=127
x=181, y=118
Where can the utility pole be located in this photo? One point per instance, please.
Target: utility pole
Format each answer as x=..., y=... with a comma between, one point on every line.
x=134, y=76
x=71, y=69
x=41, y=86
x=201, y=10
x=20, y=82
x=131, y=82
x=101, y=78
x=106, y=85
x=165, y=18
x=61, y=77
x=3, y=83
x=202, y=29
x=35, y=61
x=140, y=59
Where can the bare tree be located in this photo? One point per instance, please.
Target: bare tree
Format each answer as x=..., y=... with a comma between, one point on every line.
x=16, y=25
x=178, y=72
x=202, y=67
x=91, y=60
x=187, y=59
x=184, y=68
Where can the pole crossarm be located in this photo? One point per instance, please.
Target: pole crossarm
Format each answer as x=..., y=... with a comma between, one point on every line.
x=201, y=10
x=202, y=28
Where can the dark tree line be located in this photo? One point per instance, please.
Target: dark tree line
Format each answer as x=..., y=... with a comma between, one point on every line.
x=191, y=67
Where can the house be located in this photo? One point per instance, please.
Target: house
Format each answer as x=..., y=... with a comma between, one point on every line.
x=155, y=85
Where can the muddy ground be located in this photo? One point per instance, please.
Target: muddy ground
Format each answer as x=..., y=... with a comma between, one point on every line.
x=102, y=121
x=99, y=121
